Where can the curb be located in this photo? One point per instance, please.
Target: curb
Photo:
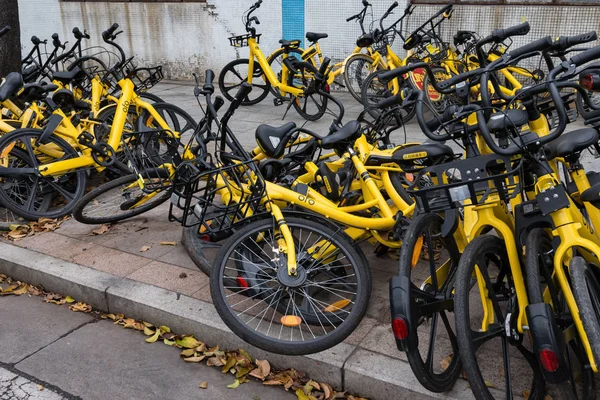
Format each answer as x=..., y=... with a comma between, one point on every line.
x=344, y=366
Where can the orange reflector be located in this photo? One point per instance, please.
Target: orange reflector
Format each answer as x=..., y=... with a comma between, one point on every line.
x=417, y=252
x=291, y=320
x=409, y=177
x=338, y=305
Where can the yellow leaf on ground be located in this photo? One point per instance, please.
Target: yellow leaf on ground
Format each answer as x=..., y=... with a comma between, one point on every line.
x=194, y=359
x=148, y=331
x=147, y=324
x=327, y=391
x=229, y=364
x=154, y=337
x=263, y=370
x=203, y=385
x=188, y=342
x=40, y=387
x=144, y=249
x=101, y=230
x=169, y=342
x=168, y=243
x=188, y=353
x=165, y=328
x=234, y=385
x=301, y=395
x=81, y=307
x=69, y=299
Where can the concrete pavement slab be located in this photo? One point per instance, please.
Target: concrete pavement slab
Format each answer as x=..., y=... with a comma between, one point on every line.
x=13, y=386
x=103, y=361
x=39, y=327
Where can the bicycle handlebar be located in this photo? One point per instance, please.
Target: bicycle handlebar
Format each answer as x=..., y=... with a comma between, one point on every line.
x=537, y=45
x=208, y=81
x=585, y=57
x=56, y=41
x=80, y=35
x=109, y=33
x=4, y=30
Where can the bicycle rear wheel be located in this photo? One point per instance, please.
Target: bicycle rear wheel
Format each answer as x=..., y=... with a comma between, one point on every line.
x=305, y=314
x=26, y=194
x=486, y=307
x=276, y=62
x=356, y=71
x=430, y=260
x=117, y=200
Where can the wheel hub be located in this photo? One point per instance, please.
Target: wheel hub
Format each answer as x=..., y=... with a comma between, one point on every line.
x=291, y=281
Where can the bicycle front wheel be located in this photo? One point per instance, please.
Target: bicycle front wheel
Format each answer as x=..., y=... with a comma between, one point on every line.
x=303, y=314
x=430, y=260
x=496, y=358
x=235, y=73
x=117, y=200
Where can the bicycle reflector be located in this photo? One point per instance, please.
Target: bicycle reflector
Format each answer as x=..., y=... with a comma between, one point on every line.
x=400, y=328
x=590, y=80
x=549, y=360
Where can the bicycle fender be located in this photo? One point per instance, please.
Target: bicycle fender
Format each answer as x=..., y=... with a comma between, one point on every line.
x=53, y=122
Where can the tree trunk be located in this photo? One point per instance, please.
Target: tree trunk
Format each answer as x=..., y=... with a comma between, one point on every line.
x=10, y=43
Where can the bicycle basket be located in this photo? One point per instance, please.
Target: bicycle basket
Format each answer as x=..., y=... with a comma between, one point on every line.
x=149, y=154
x=145, y=78
x=242, y=40
x=218, y=198
x=469, y=182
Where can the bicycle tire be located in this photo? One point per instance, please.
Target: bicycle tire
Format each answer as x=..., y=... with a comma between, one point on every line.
x=586, y=289
x=539, y=266
x=92, y=199
x=422, y=230
x=229, y=92
x=373, y=92
x=489, y=250
x=70, y=186
x=278, y=345
x=351, y=76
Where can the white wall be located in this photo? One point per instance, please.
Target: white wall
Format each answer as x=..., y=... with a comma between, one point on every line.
x=190, y=37
x=184, y=37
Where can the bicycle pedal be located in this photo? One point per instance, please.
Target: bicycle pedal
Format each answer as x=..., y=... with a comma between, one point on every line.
x=86, y=139
x=277, y=101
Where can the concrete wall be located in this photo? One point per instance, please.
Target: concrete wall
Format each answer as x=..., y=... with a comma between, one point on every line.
x=184, y=37
x=190, y=37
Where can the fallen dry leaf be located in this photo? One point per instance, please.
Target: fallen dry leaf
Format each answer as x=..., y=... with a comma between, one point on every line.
x=81, y=307
x=262, y=371
x=203, y=385
x=40, y=387
x=168, y=243
x=100, y=230
x=234, y=385
x=145, y=249
x=69, y=299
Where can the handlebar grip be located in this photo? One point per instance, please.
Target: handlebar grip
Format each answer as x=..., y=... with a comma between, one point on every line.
x=77, y=33
x=395, y=73
x=389, y=11
x=110, y=31
x=245, y=89
x=35, y=40
x=208, y=81
x=586, y=56
x=459, y=78
x=366, y=3
x=580, y=39
x=499, y=35
x=56, y=41
x=390, y=101
x=4, y=30
x=538, y=45
x=351, y=18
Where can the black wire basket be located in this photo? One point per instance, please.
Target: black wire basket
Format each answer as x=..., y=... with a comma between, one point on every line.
x=242, y=40
x=217, y=198
x=145, y=78
x=153, y=156
x=468, y=182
